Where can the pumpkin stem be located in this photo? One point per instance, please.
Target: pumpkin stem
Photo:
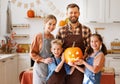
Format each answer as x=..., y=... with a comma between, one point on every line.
x=73, y=44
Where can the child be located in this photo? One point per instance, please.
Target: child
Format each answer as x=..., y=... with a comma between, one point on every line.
x=57, y=69
x=94, y=61
x=40, y=50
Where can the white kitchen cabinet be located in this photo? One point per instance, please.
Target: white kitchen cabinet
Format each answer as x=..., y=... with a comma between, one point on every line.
x=24, y=62
x=113, y=60
x=0, y=17
x=112, y=11
x=11, y=70
x=8, y=70
x=94, y=11
x=2, y=76
x=101, y=11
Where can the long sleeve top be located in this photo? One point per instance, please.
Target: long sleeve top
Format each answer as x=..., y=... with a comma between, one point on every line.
x=36, y=47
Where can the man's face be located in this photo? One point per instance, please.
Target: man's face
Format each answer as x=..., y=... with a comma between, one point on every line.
x=73, y=14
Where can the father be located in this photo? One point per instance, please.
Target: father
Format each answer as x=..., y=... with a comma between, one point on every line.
x=74, y=32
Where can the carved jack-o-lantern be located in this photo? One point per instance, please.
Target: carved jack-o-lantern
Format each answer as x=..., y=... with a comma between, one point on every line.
x=72, y=54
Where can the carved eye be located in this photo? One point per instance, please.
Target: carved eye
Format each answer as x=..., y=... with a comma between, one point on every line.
x=77, y=53
x=69, y=53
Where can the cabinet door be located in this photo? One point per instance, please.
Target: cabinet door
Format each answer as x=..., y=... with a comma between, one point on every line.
x=94, y=11
x=2, y=76
x=115, y=63
x=23, y=62
x=112, y=11
x=10, y=67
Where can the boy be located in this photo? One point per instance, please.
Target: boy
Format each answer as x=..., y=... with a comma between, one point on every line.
x=56, y=71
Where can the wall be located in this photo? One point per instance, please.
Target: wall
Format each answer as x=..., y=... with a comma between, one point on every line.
x=110, y=32
x=55, y=7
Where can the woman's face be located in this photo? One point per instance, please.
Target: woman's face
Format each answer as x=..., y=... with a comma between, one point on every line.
x=50, y=25
x=95, y=43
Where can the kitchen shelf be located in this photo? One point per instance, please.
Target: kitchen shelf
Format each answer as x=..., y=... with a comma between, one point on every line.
x=18, y=36
x=35, y=18
x=20, y=25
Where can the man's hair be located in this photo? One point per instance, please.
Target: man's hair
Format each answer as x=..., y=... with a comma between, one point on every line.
x=72, y=5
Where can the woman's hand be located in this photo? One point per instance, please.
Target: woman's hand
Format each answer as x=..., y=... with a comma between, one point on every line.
x=48, y=60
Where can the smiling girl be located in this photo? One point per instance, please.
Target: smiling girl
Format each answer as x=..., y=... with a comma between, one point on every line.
x=94, y=62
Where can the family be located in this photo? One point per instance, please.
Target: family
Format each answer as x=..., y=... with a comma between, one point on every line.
x=47, y=51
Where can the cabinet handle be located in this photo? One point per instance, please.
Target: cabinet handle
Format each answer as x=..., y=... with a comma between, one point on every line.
x=3, y=61
x=11, y=58
x=116, y=21
x=93, y=21
x=116, y=58
x=117, y=74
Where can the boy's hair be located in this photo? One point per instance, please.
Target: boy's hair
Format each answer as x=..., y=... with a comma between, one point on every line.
x=72, y=5
x=56, y=41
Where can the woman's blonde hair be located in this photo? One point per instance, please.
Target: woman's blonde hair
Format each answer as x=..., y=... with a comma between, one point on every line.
x=49, y=17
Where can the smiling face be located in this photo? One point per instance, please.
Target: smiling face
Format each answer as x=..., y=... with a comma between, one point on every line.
x=73, y=14
x=95, y=43
x=50, y=25
x=56, y=49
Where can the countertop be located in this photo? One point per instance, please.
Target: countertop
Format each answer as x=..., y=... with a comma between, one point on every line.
x=113, y=51
x=111, y=55
x=4, y=56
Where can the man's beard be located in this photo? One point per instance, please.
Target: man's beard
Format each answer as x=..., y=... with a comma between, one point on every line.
x=75, y=20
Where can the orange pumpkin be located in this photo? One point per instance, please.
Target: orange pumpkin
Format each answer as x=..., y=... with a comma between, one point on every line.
x=62, y=23
x=66, y=20
x=30, y=13
x=72, y=54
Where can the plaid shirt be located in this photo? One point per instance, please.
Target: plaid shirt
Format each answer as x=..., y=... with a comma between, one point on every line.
x=67, y=30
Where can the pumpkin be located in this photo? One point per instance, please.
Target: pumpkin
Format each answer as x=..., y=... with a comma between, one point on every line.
x=62, y=23
x=67, y=20
x=72, y=54
x=30, y=13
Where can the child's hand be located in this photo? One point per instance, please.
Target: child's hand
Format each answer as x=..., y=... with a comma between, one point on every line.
x=62, y=57
x=71, y=64
x=79, y=62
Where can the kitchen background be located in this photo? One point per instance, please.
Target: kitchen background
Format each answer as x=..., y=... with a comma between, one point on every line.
x=101, y=15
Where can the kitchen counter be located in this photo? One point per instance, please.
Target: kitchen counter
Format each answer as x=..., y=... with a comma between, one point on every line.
x=4, y=56
x=113, y=51
x=112, y=55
